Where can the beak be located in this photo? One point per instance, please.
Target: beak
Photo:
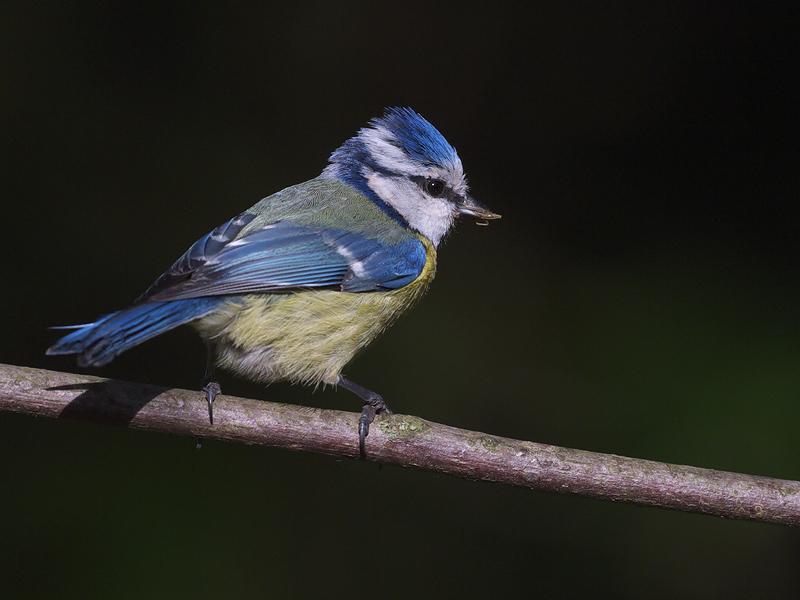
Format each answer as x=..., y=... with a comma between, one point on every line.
x=470, y=207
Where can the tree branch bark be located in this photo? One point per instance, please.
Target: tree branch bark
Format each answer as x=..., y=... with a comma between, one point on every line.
x=402, y=440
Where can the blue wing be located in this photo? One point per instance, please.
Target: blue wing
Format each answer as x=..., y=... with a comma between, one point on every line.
x=286, y=256
x=278, y=257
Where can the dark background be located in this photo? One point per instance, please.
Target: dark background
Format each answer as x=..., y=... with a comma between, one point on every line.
x=639, y=297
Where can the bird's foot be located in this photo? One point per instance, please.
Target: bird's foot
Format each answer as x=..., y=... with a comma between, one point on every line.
x=373, y=405
x=212, y=389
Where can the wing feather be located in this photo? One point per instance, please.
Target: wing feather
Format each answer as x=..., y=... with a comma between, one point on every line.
x=285, y=256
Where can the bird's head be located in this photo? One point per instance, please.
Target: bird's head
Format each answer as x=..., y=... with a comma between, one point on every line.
x=403, y=163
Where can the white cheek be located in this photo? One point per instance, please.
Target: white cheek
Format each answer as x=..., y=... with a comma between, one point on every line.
x=432, y=217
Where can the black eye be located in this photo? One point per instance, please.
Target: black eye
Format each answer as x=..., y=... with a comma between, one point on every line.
x=434, y=187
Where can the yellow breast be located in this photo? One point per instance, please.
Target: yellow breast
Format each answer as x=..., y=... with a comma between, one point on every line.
x=306, y=336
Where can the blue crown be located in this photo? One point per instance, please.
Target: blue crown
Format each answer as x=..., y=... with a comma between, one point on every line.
x=416, y=136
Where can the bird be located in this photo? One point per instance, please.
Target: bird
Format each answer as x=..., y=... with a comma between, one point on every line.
x=294, y=287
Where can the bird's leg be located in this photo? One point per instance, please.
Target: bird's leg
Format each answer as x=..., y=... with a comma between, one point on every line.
x=373, y=405
x=211, y=388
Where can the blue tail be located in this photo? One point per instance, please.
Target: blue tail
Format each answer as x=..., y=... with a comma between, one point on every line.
x=98, y=343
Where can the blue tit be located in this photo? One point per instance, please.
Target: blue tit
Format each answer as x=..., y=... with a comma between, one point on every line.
x=292, y=288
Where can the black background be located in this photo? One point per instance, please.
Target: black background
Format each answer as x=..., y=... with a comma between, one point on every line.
x=639, y=297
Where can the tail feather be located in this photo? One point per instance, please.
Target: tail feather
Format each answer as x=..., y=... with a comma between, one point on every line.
x=98, y=343
x=64, y=327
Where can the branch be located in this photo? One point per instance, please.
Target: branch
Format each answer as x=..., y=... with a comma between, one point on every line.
x=403, y=440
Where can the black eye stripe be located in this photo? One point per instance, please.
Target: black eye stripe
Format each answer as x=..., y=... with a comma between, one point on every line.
x=447, y=192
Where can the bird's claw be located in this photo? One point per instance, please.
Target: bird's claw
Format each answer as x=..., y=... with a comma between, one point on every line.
x=372, y=407
x=368, y=413
x=212, y=389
